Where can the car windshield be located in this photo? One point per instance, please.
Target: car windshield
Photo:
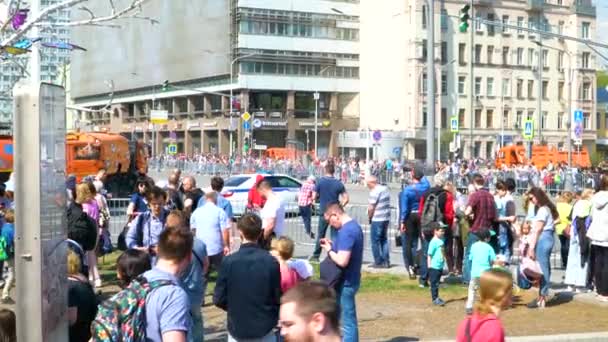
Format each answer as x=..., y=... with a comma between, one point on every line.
x=235, y=181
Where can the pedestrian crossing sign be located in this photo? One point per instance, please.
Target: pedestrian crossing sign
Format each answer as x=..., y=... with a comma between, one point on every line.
x=454, y=124
x=172, y=149
x=528, y=129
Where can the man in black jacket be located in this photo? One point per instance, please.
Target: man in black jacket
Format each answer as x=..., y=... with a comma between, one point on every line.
x=81, y=228
x=248, y=287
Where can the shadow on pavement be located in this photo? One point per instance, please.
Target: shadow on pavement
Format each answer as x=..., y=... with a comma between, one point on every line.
x=402, y=339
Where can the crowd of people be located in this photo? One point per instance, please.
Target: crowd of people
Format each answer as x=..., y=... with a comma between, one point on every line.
x=178, y=233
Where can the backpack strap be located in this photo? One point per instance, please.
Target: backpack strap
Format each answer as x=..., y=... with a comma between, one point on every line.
x=200, y=260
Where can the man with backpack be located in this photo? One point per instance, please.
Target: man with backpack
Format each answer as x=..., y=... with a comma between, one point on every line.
x=164, y=315
x=436, y=205
x=145, y=229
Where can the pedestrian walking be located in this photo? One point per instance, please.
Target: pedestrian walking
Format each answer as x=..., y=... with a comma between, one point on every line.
x=251, y=299
x=273, y=214
x=598, y=234
x=329, y=191
x=211, y=225
x=579, y=251
x=346, y=251
x=409, y=203
x=379, y=214
x=305, y=203
x=436, y=261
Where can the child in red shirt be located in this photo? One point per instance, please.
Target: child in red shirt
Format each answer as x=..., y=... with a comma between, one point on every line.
x=495, y=292
x=282, y=249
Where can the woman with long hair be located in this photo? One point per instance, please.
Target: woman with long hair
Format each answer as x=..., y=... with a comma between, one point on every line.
x=542, y=240
x=564, y=226
x=579, y=250
x=85, y=195
x=598, y=234
x=495, y=294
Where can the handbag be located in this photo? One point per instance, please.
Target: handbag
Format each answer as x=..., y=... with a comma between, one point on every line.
x=331, y=273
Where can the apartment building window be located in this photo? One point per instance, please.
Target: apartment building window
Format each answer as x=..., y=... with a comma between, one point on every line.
x=461, y=84
x=491, y=28
x=605, y=120
x=297, y=69
x=560, y=120
x=560, y=90
x=444, y=84
x=505, y=21
x=489, y=150
x=490, y=86
x=585, y=30
x=597, y=120
x=531, y=57
x=477, y=86
x=444, y=52
x=530, y=114
x=545, y=88
x=478, y=20
x=462, y=48
x=461, y=117
x=520, y=23
x=444, y=118
x=585, y=60
x=506, y=87
x=587, y=121
x=424, y=51
x=477, y=118
x=520, y=56
x=519, y=116
x=490, y=53
x=505, y=55
x=423, y=86
x=505, y=118
x=530, y=89
x=478, y=53
x=444, y=20
x=297, y=25
x=586, y=91
x=545, y=58
x=543, y=120
x=560, y=61
x=423, y=19
x=520, y=88
x=490, y=118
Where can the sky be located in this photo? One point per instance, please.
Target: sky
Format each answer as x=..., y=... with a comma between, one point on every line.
x=602, y=25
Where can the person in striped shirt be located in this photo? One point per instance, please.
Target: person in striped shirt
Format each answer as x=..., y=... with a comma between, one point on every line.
x=379, y=213
x=305, y=203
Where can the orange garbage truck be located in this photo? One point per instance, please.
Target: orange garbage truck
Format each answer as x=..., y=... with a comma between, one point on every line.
x=87, y=153
x=541, y=156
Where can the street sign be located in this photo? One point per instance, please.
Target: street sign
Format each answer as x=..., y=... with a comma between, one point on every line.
x=260, y=147
x=528, y=129
x=454, y=124
x=246, y=125
x=377, y=136
x=257, y=123
x=578, y=142
x=159, y=116
x=172, y=149
x=578, y=131
x=578, y=116
x=246, y=116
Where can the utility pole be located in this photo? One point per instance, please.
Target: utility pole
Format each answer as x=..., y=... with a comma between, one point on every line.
x=430, y=88
x=540, y=82
x=472, y=79
x=316, y=97
x=35, y=55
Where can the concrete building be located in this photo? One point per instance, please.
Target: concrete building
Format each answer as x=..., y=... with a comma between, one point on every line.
x=51, y=63
x=280, y=53
x=602, y=124
x=506, y=77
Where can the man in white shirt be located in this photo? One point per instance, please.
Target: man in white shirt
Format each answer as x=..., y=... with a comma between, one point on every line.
x=273, y=213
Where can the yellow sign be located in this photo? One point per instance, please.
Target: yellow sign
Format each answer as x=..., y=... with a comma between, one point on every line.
x=246, y=116
x=159, y=116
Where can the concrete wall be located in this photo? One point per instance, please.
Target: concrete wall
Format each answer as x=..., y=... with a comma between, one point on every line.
x=191, y=41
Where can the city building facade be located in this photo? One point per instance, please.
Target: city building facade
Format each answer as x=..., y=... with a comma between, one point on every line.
x=602, y=124
x=272, y=56
x=506, y=78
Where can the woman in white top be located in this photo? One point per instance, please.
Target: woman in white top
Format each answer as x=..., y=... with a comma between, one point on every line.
x=598, y=234
x=542, y=240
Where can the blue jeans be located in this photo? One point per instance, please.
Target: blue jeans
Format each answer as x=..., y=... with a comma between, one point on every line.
x=409, y=244
x=424, y=270
x=348, y=312
x=434, y=278
x=306, y=213
x=543, y=249
x=466, y=272
x=379, y=242
x=504, y=241
x=322, y=230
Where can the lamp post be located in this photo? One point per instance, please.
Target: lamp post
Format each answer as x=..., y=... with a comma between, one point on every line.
x=316, y=96
x=231, y=94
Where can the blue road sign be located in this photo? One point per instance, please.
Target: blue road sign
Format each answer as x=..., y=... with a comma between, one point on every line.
x=377, y=136
x=529, y=129
x=454, y=124
x=578, y=131
x=257, y=123
x=578, y=116
x=172, y=149
x=246, y=125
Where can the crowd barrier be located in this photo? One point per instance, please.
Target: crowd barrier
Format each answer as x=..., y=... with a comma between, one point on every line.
x=294, y=228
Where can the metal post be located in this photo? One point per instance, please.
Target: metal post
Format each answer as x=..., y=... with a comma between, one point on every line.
x=231, y=95
x=502, y=118
x=430, y=91
x=540, y=82
x=316, y=96
x=472, y=79
x=367, y=144
x=569, y=186
x=35, y=55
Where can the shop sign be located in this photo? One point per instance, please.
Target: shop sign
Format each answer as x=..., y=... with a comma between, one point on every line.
x=210, y=124
x=325, y=123
x=266, y=123
x=192, y=125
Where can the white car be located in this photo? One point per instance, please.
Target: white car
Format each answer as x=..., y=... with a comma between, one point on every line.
x=236, y=190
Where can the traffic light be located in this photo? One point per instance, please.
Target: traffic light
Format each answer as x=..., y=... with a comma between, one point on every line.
x=464, y=18
x=246, y=145
x=165, y=85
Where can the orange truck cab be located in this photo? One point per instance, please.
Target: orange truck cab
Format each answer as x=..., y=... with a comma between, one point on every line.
x=541, y=156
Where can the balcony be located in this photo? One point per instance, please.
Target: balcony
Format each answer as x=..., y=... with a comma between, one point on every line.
x=583, y=8
x=535, y=5
x=482, y=2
